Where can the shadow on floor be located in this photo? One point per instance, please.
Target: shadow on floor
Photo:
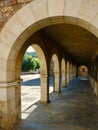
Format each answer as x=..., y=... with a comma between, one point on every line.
x=73, y=109
x=36, y=82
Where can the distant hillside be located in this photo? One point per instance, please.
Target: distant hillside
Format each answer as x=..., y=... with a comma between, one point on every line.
x=33, y=54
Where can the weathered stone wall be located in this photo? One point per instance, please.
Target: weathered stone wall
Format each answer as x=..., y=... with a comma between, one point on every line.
x=8, y=8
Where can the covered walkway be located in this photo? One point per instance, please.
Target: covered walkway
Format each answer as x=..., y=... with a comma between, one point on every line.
x=64, y=33
x=75, y=108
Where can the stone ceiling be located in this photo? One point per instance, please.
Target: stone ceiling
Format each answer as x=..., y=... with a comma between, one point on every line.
x=79, y=43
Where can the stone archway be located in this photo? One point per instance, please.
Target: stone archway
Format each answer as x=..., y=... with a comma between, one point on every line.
x=18, y=29
x=14, y=88
x=44, y=75
x=82, y=71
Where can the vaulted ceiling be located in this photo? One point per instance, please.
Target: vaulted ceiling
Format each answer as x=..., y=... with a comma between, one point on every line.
x=79, y=43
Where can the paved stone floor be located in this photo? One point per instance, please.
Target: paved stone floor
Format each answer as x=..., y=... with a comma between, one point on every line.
x=75, y=108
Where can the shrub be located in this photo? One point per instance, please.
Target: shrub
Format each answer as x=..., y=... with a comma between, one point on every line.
x=29, y=63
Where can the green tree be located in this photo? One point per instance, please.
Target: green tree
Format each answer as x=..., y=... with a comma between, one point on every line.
x=28, y=63
x=37, y=67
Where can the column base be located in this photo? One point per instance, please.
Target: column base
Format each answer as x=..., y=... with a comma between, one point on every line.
x=44, y=102
x=8, y=124
x=64, y=86
x=57, y=92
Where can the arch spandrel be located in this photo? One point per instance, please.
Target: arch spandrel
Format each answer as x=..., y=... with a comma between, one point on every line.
x=88, y=10
x=56, y=7
x=39, y=9
x=72, y=7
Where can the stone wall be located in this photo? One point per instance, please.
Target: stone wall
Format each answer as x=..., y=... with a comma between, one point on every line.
x=8, y=8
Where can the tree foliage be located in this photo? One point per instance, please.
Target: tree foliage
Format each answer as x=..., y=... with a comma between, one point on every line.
x=30, y=63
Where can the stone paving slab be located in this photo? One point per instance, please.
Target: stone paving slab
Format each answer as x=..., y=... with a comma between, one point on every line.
x=73, y=109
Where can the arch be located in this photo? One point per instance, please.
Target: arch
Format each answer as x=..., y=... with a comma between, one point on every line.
x=63, y=72
x=56, y=73
x=44, y=76
x=82, y=71
x=18, y=29
x=44, y=97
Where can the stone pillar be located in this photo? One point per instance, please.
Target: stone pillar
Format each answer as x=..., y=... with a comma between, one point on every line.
x=64, y=74
x=96, y=89
x=18, y=98
x=63, y=78
x=91, y=81
x=71, y=72
x=44, y=89
x=56, y=82
x=74, y=71
x=73, y=75
x=97, y=85
x=91, y=75
x=8, y=108
x=67, y=73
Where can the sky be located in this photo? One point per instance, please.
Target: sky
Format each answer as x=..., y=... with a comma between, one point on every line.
x=30, y=49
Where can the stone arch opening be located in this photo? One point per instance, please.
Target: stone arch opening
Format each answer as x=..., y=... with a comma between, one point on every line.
x=30, y=85
x=83, y=71
x=43, y=75
x=41, y=81
x=51, y=76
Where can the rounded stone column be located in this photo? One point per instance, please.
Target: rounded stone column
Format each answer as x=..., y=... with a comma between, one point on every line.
x=63, y=79
x=63, y=72
x=71, y=72
x=44, y=89
x=74, y=72
x=67, y=73
x=95, y=88
x=10, y=104
x=57, y=82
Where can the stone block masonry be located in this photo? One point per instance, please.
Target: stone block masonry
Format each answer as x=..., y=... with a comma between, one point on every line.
x=8, y=8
